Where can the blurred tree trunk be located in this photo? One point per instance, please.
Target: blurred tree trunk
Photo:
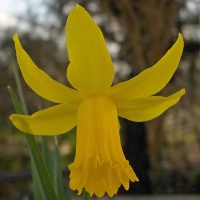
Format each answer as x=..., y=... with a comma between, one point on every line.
x=150, y=30
x=135, y=149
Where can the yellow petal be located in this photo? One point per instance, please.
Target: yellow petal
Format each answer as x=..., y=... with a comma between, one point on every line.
x=153, y=79
x=91, y=69
x=40, y=82
x=100, y=165
x=51, y=121
x=139, y=110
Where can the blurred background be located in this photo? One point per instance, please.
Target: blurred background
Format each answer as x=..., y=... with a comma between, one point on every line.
x=164, y=152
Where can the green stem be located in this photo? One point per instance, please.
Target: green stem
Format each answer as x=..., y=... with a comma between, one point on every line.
x=86, y=195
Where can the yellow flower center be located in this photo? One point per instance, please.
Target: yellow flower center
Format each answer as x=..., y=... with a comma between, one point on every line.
x=100, y=164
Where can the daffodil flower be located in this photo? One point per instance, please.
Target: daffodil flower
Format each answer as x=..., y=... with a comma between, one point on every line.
x=94, y=105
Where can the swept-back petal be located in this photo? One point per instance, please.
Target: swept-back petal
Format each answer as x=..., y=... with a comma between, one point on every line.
x=153, y=79
x=91, y=69
x=147, y=108
x=51, y=121
x=39, y=81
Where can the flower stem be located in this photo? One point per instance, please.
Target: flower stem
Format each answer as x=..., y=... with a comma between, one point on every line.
x=86, y=195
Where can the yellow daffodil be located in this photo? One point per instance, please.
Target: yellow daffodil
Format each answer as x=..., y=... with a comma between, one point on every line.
x=94, y=106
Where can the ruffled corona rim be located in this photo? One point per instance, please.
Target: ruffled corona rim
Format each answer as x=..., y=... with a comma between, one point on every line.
x=100, y=165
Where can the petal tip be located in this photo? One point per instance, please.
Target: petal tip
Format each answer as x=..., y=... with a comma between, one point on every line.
x=182, y=92
x=180, y=36
x=10, y=117
x=180, y=39
x=75, y=12
x=78, y=6
x=15, y=37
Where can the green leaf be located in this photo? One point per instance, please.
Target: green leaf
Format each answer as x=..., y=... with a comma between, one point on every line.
x=15, y=101
x=58, y=179
x=39, y=168
x=19, y=88
x=38, y=193
x=47, y=156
